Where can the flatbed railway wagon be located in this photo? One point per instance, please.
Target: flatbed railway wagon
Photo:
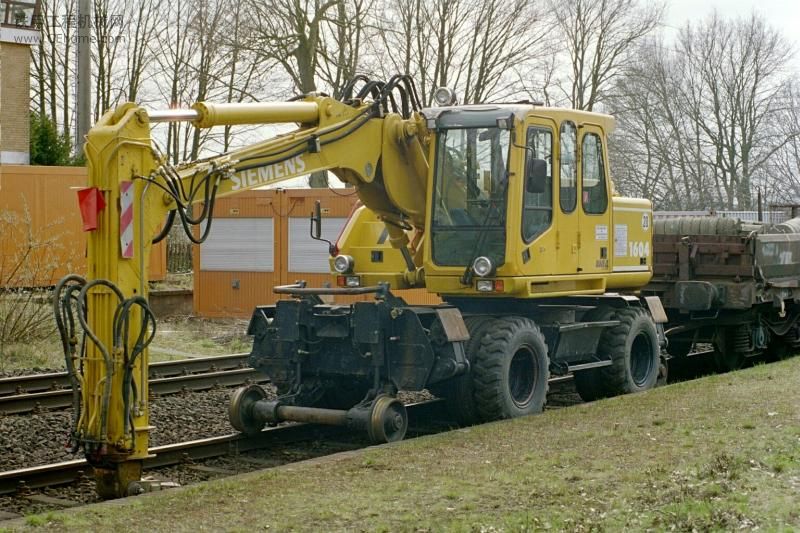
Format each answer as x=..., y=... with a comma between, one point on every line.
x=731, y=286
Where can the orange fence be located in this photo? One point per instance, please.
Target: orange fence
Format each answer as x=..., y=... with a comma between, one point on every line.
x=40, y=217
x=260, y=239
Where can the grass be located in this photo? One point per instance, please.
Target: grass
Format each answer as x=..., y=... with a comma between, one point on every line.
x=718, y=453
x=175, y=339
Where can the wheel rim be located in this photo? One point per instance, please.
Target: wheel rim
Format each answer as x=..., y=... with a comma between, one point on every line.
x=641, y=359
x=240, y=407
x=388, y=420
x=522, y=376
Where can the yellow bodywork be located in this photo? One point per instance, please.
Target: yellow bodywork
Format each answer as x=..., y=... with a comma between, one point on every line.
x=387, y=159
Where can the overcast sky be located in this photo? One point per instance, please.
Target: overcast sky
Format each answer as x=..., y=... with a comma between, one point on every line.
x=784, y=15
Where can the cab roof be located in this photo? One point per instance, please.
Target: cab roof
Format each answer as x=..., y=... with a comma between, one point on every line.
x=476, y=115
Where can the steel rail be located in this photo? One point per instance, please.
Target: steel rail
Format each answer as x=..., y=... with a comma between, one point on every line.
x=62, y=398
x=59, y=380
x=171, y=454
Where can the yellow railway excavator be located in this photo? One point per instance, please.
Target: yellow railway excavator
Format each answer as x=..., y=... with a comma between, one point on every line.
x=507, y=211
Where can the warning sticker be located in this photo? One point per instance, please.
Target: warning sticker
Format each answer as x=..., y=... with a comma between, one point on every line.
x=620, y=240
x=601, y=232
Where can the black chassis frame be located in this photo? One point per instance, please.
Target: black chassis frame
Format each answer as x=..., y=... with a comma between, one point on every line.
x=306, y=346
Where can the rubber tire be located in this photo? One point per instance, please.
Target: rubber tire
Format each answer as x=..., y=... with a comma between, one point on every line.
x=491, y=377
x=458, y=392
x=616, y=344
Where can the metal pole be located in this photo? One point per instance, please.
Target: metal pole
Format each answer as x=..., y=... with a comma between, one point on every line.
x=83, y=80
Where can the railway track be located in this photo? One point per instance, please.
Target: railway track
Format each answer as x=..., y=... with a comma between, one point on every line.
x=25, y=394
x=38, y=477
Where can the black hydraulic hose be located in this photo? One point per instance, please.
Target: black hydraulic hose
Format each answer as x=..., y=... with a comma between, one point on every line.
x=103, y=349
x=388, y=91
x=65, y=324
x=165, y=230
x=347, y=91
x=121, y=340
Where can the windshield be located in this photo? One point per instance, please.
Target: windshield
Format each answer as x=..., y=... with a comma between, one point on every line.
x=469, y=213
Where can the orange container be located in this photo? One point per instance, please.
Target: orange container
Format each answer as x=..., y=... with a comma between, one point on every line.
x=260, y=239
x=39, y=205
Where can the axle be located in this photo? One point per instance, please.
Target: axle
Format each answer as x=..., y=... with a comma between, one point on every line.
x=384, y=418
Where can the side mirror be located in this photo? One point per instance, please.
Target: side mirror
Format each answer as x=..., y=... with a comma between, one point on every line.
x=316, y=228
x=316, y=222
x=536, y=176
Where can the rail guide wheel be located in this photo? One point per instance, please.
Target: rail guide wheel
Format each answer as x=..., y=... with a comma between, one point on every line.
x=240, y=409
x=388, y=420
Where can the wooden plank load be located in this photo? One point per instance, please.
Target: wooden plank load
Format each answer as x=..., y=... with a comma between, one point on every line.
x=708, y=263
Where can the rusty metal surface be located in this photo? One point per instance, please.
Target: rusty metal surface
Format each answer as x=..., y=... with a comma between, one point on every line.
x=453, y=323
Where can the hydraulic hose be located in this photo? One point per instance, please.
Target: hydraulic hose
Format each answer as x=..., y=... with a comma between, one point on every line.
x=109, y=363
x=65, y=322
x=66, y=303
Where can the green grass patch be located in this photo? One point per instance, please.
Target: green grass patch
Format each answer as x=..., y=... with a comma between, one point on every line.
x=175, y=338
x=677, y=457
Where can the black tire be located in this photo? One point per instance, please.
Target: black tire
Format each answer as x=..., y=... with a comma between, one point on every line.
x=511, y=370
x=633, y=349
x=457, y=392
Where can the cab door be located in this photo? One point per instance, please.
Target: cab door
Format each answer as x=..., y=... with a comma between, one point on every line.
x=567, y=211
x=594, y=203
x=538, y=237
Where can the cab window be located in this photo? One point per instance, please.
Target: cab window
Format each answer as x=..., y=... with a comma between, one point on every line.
x=568, y=167
x=593, y=180
x=537, y=208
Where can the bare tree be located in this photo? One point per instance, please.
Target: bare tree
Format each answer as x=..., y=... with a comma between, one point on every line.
x=52, y=69
x=290, y=32
x=699, y=121
x=595, y=36
x=342, y=43
x=143, y=20
x=477, y=48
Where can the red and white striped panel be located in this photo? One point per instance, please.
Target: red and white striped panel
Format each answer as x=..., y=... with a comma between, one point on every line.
x=126, y=218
